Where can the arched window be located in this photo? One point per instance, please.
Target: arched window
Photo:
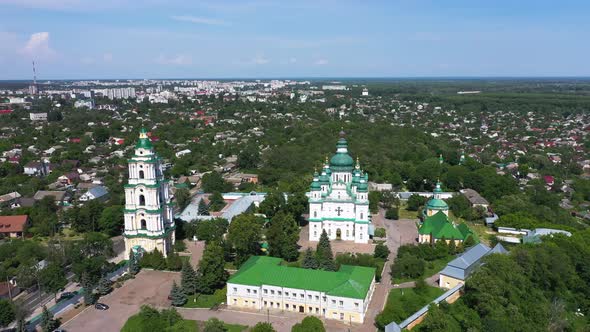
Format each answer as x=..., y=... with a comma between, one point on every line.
x=143, y=224
x=141, y=174
x=315, y=214
x=361, y=216
x=141, y=200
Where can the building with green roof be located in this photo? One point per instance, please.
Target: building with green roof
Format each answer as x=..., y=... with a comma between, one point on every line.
x=339, y=199
x=263, y=283
x=438, y=227
x=436, y=203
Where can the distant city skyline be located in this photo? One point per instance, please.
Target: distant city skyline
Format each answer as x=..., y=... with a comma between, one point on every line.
x=110, y=39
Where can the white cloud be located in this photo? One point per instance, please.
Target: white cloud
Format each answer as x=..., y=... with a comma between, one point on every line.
x=321, y=62
x=199, y=20
x=38, y=46
x=260, y=60
x=107, y=57
x=179, y=60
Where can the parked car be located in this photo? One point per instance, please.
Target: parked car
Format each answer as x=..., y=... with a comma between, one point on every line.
x=66, y=296
x=101, y=306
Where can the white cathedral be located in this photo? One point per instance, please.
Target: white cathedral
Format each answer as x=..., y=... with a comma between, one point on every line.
x=149, y=223
x=339, y=199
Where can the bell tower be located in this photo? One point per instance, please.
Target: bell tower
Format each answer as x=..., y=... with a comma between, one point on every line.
x=149, y=223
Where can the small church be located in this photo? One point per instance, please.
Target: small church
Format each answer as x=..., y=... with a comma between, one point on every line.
x=149, y=222
x=339, y=199
x=436, y=224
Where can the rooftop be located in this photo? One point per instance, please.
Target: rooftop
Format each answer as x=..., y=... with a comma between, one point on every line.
x=349, y=281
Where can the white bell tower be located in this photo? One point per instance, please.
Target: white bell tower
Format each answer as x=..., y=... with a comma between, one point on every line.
x=149, y=223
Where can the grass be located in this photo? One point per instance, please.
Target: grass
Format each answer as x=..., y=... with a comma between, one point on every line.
x=401, y=303
x=477, y=227
x=432, y=268
x=206, y=300
x=200, y=326
x=404, y=213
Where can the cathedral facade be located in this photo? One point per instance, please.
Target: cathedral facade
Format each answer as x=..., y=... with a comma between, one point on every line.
x=149, y=223
x=339, y=199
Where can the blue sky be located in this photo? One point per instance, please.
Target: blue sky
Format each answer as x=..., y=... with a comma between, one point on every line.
x=197, y=39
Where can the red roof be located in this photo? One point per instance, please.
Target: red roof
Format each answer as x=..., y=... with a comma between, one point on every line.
x=75, y=140
x=5, y=111
x=13, y=224
x=549, y=179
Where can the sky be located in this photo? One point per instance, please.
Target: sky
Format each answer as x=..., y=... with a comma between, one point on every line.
x=84, y=39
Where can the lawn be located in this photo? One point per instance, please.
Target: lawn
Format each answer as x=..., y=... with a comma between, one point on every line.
x=401, y=303
x=406, y=214
x=206, y=300
x=432, y=268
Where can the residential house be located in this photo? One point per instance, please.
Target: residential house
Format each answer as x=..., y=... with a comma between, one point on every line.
x=59, y=197
x=36, y=168
x=9, y=200
x=475, y=198
x=13, y=226
x=98, y=192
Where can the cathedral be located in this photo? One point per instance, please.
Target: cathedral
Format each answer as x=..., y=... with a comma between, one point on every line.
x=149, y=223
x=339, y=199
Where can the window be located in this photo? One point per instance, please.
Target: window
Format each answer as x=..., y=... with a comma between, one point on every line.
x=361, y=216
x=333, y=301
x=341, y=316
x=278, y=304
x=279, y=293
x=315, y=233
x=309, y=309
x=235, y=289
x=309, y=297
x=272, y=292
x=317, y=298
x=265, y=303
x=143, y=224
x=341, y=303
x=253, y=303
x=266, y=291
x=317, y=310
x=286, y=293
x=254, y=291
x=356, y=305
x=141, y=200
x=286, y=306
x=248, y=290
x=302, y=296
x=272, y=304
x=325, y=299
x=315, y=214
x=347, y=233
x=246, y=302
x=235, y=301
x=141, y=175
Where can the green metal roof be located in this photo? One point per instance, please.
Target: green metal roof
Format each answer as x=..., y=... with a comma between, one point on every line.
x=439, y=226
x=349, y=281
x=437, y=204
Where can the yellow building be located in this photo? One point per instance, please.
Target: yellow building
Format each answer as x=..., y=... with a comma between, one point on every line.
x=461, y=267
x=263, y=284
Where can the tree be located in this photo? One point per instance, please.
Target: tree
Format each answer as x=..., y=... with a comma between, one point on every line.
x=183, y=198
x=435, y=321
x=203, y=208
x=52, y=278
x=48, y=324
x=214, y=182
x=214, y=325
x=101, y=135
x=408, y=265
x=392, y=213
x=282, y=236
x=88, y=288
x=263, y=327
x=177, y=295
x=324, y=254
x=105, y=286
x=111, y=220
x=272, y=204
x=415, y=201
x=7, y=312
x=133, y=265
x=374, y=198
x=245, y=234
x=381, y=251
x=309, y=260
x=211, y=272
x=188, y=279
x=173, y=261
x=249, y=157
x=309, y=323
x=216, y=201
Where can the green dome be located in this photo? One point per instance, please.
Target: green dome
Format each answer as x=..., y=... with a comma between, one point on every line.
x=316, y=185
x=437, y=204
x=144, y=141
x=341, y=160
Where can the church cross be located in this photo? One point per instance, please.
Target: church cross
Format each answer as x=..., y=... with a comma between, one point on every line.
x=338, y=210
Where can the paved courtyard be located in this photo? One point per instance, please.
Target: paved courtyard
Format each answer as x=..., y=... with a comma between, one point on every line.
x=149, y=287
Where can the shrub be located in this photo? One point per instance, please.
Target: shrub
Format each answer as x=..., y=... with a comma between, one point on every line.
x=380, y=232
x=392, y=213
